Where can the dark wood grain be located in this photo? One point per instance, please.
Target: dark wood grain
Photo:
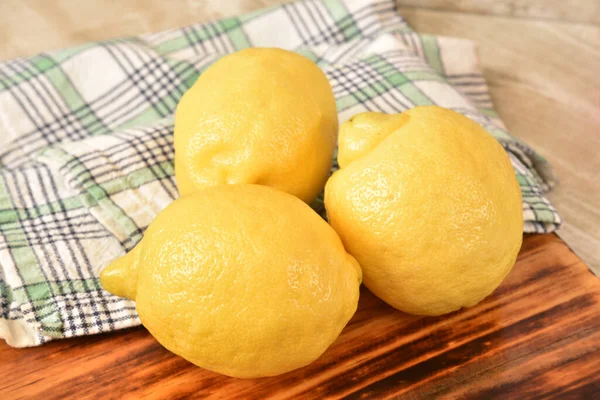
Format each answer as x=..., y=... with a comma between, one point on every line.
x=537, y=336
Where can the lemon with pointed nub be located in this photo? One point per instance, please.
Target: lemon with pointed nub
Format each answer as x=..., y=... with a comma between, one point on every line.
x=244, y=280
x=429, y=205
x=261, y=115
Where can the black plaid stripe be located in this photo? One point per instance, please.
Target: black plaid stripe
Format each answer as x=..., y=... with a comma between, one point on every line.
x=208, y=38
x=90, y=183
x=470, y=79
x=69, y=235
x=406, y=61
x=192, y=38
x=383, y=17
x=472, y=86
x=55, y=128
x=52, y=125
x=44, y=130
x=319, y=18
x=22, y=312
x=203, y=61
x=93, y=312
x=32, y=240
x=349, y=51
x=367, y=19
x=413, y=41
x=93, y=297
x=154, y=158
x=219, y=38
x=341, y=54
x=391, y=101
x=54, y=227
x=4, y=304
x=363, y=75
x=157, y=144
x=152, y=76
x=338, y=79
x=353, y=77
x=299, y=27
x=26, y=95
x=118, y=106
x=146, y=148
x=520, y=153
x=115, y=106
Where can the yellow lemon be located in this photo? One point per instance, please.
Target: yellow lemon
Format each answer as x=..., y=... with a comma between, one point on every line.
x=244, y=280
x=430, y=208
x=365, y=132
x=261, y=115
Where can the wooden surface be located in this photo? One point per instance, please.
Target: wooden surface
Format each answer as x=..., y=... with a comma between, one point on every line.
x=541, y=59
x=581, y=11
x=538, y=335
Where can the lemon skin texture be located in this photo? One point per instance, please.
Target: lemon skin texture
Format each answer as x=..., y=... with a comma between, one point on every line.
x=261, y=115
x=432, y=211
x=244, y=280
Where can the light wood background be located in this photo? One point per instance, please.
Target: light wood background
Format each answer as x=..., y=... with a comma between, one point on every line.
x=541, y=59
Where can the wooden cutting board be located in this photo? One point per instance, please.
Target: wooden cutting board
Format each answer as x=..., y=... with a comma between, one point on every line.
x=538, y=335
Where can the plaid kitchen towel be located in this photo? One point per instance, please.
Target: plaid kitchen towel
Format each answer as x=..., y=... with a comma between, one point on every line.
x=86, y=141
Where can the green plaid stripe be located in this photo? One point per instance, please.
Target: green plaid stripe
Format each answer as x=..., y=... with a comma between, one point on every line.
x=88, y=161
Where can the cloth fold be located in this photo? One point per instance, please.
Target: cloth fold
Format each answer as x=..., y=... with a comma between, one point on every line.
x=86, y=141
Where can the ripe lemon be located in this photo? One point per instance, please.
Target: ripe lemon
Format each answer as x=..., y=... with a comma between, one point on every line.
x=261, y=115
x=431, y=209
x=244, y=280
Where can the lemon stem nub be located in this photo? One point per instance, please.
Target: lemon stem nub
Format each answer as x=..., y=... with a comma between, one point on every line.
x=120, y=277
